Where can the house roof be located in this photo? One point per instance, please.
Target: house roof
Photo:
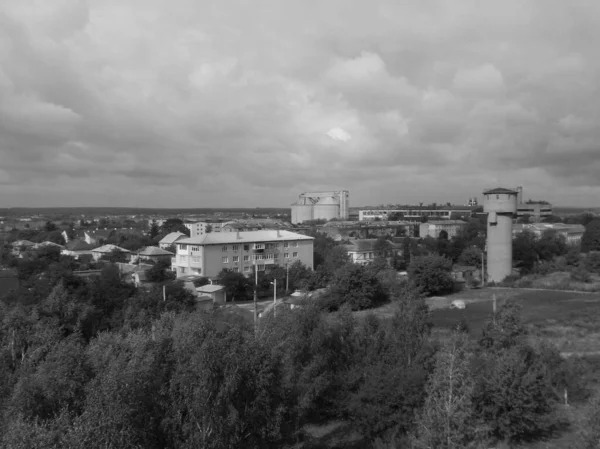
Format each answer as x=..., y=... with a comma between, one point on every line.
x=445, y=222
x=110, y=249
x=172, y=237
x=23, y=243
x=216, y=238
x=361, y=245
x=78, y=245
x=100, y=233
x=500, y=190
x=209, y=288
x=45, y=244
x=155, y=251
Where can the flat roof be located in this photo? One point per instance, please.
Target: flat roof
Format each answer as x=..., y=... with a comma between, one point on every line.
x=500, y=190
x=217, y=238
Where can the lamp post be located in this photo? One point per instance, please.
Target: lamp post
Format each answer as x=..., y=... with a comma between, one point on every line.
x=287, y=277
x=274, y=283
x=255, y=288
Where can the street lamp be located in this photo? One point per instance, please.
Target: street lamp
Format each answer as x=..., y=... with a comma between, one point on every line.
x=274, y=283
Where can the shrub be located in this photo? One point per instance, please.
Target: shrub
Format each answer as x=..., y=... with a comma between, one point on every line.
x=580, y=274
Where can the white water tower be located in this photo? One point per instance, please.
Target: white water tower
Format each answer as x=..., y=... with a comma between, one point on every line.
x=501, y=207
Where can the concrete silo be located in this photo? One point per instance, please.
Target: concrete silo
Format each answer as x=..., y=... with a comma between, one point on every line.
x=321, y=205
x=501, y=207
x=327, y=208
x=302, y=213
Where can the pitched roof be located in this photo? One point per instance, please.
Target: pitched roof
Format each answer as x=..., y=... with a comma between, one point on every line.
x=45, y=244
x=215, y=238
x=362, y=245
x=110, y=249
x=499, y=190
x=172, y=237
x=209, y=288
x=155, y=251
x=23, y=243
x=78, y=245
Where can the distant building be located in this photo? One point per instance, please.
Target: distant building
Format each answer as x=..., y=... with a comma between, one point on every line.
x=571, y=232
x=154, y=254
x=415, y=213
x=344, y=230
x=106, y=250
x=169, y=239
x=434, y=228
x=537, y=210
x=321, y=206
x=213, y=291
x=77, y=249
x=208, y=254
x=364, y=251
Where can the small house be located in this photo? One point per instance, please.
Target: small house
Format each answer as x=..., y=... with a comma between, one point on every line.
x=214, y=291
x=170, y=239
x=77, y=249
x=107, y=250
x=154, y=254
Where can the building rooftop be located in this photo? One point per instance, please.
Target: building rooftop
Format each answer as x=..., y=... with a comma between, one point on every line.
x=78, y=245
x=362, y=245
x=500, y=190
x=216, y=238
x=445, y=222
x=110, y=249
x=209, y=288
x=172, y=237
x=23, y=243
x=154, y=251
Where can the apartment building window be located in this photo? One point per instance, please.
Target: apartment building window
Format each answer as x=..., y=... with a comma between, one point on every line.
x=182, y=248
x=259, y=246
x=260, y=267
x=224, y=248
x=246, y=247
x=294, y=244
x=183, y=259
x=286, y=244
x=195, y=248
x=196, y=259
x=236, y=258
x=225, y=259
x=258, y=257
x=294, y=254
x=246, y=258
x=246, y=269
x=236, y=270
x=271, y=256
x=286, y=255
x=236, y=247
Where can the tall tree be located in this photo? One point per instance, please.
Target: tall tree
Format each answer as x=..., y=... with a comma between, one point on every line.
x=154, y=230
x=591, y=237
x=431, y=274
x=447, y=419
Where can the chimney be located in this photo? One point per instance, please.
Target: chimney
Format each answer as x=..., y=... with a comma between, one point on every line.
x=278, y=233
x=237, y=235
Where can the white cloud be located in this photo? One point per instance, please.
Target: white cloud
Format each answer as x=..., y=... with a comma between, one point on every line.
x=339, y=134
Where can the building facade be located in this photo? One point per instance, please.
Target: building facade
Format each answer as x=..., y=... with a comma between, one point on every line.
x=365, y=251
x=571, y=232
x=208, y=254
x=434, y=228
x=414, y=213
x=535, y=210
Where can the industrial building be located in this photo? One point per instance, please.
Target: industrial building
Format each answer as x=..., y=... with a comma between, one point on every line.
x=208, y=254
x=536, y=210
x=434, y=228
x=501, y=206
x=321, y=206
x=415, y=213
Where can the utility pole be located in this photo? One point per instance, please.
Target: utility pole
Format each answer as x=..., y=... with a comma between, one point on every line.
x=483, y=268
x=255, y=293
x=274, y=297
x=287, y=278
x=494, y=308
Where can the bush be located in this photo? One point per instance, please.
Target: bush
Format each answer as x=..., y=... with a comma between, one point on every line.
x=357, y=286
x=431, y=274
x=580, y=274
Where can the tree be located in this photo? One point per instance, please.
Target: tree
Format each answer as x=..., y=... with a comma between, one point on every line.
x=160, y=272
x=471, y=257
x=154, y=230
x=551, y=245
x=49, y=227
x=443, y=235
x=590, y=433
x=447, y=419
x=591, y=237
x=174, y=225
x=431, y=274
x=524, y=250
x=237, y=286
x=356, y=286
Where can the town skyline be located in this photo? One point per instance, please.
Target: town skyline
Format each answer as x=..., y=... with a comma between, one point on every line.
x=234, y=103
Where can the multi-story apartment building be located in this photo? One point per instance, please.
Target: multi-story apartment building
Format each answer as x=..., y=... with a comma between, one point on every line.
x=536, y=210
x=415, y=213
x=208, y=254
x=433, y=228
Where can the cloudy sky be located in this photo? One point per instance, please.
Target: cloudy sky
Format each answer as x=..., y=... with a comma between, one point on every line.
x=192, y=103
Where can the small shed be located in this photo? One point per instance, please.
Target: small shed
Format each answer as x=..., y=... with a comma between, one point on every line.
x=216, y=292
x=465, y=273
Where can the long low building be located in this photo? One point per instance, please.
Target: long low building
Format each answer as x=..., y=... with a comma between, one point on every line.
x=415, y=213
x=434, y=228
x=571, y=232
x=208, y=254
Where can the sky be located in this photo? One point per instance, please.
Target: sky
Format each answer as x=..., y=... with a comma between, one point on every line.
x=239, y=103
